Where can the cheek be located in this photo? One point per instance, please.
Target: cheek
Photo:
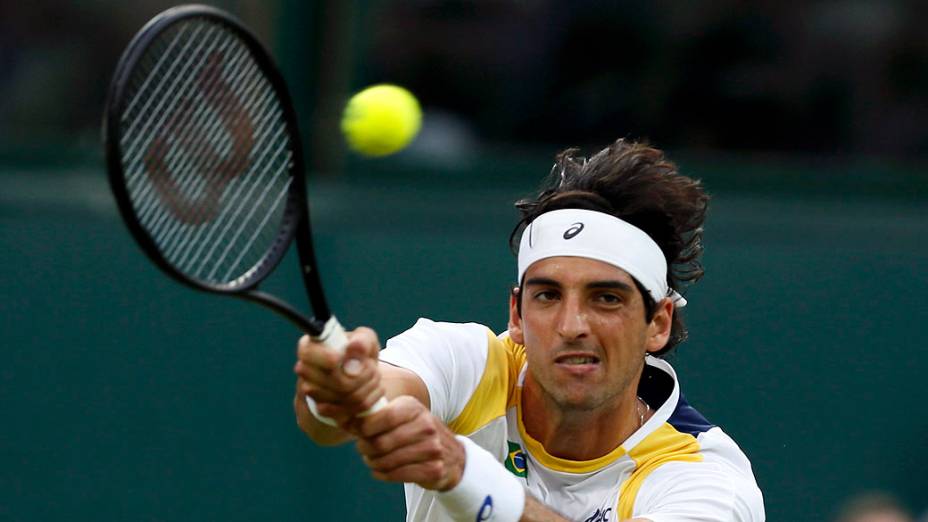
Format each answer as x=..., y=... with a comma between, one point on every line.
x=532, y=327
x=537, y=340
x=529, y=337
x=621, y=333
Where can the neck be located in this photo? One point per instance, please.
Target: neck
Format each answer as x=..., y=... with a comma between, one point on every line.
x=576, y=434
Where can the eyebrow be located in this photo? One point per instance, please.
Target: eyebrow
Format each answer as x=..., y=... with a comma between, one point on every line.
x=608, y=284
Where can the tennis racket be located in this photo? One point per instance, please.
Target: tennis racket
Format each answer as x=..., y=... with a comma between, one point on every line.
x=205, y=162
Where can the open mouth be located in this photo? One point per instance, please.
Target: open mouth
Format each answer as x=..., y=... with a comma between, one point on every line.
x=575, y=359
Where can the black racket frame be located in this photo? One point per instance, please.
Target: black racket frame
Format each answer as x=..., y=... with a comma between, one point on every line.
x=296, y=211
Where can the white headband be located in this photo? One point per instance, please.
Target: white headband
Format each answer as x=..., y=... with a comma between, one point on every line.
x=595, y=235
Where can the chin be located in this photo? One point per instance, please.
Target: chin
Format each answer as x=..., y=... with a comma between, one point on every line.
x=578, y=403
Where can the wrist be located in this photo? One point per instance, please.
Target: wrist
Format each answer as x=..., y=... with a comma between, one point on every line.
x=485, y=490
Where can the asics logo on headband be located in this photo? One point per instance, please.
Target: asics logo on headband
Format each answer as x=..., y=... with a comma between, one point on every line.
x=573, y=230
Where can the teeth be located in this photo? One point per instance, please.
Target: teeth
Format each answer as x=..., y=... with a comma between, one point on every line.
x=578, y=360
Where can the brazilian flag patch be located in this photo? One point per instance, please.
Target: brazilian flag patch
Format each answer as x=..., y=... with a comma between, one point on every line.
x=515, y=462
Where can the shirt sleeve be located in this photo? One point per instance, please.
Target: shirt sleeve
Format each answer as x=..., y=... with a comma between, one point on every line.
x=698, y=491
x=449, y=357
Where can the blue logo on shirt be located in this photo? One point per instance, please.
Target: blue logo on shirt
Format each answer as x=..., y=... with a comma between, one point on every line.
x=601, y=515
x=486, y=510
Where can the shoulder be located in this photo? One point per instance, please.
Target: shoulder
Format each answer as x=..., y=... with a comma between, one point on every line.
x=695, y=476
x=687, y=468
x=465, y=367
x=452, y=343
x=440, y=352
x=431, y=344
x=718, y=486
x=427, y=333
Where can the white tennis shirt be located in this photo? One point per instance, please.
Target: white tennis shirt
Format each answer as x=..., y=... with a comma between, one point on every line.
x=677, y=467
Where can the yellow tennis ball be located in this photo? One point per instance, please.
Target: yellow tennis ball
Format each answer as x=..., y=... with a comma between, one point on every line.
x=381, y=120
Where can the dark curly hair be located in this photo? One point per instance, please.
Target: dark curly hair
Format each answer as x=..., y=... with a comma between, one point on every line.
x=636, y=183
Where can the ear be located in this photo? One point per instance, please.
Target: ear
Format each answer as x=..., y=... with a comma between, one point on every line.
x=659, y=328
x=515, y=320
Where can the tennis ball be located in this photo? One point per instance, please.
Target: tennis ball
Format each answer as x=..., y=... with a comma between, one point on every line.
x=381, y=120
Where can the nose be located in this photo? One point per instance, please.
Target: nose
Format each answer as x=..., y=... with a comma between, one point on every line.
x=572, y=321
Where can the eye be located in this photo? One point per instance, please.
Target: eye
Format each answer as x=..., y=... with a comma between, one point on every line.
x=546, y=296
x=609, y=299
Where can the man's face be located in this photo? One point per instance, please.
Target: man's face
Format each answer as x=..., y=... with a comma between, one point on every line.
x=583, y=326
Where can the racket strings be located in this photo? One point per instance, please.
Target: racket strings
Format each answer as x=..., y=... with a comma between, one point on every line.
x=188, y=165
x=205, y=236
x=199, y=117
x=156, y=98
x=173, y=227
x=165, y=156
x=184, y=134
x=239, y=211
x=207, y=155
x=135, y=148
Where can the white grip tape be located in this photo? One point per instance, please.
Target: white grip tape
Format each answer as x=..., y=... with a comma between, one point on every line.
x=333, y=335
x=487, y=492
x=311, y=404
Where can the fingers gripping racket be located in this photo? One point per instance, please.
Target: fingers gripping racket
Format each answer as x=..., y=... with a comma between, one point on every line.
x=205, y=161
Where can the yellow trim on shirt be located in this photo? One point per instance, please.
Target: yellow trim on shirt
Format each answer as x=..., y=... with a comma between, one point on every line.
x=516, y=357
x=496, y=388
x=665, y=444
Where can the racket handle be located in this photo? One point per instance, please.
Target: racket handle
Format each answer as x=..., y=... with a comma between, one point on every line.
x=379, y=405
x=334, y=336
x=311, y=404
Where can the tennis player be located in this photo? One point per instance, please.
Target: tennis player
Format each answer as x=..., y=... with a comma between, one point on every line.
x=572, y=413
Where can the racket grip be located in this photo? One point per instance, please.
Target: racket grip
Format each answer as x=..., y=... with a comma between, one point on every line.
x=379, y=405
x=311, y=404
x=334, y=336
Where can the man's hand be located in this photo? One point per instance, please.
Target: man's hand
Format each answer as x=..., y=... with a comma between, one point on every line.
x=342, y=386
x=404, y=442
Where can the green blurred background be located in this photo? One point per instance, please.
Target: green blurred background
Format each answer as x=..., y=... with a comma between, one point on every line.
x=125, y=396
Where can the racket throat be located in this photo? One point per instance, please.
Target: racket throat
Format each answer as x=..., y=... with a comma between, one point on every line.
x=313, y=327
